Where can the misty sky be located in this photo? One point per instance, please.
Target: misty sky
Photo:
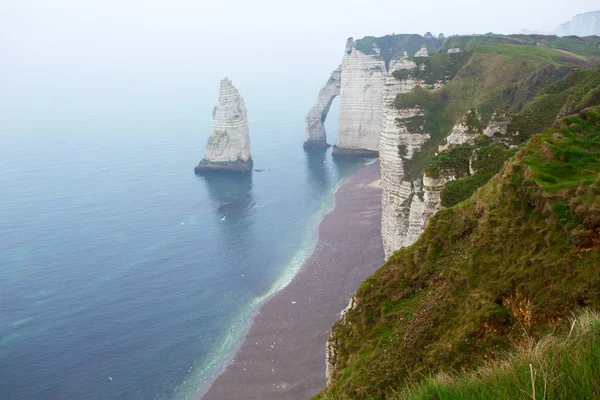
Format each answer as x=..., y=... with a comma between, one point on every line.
x=71, y=50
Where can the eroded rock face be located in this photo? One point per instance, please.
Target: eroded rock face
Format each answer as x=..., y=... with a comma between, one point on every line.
x=422, y=52
x=315, y=120
x=331, y=353
x=228, y=145
x=398, y=143
x=466, y=131
x=497, y=129
x=361, y=99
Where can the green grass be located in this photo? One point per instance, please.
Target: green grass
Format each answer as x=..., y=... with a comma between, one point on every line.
x=559, y=366
x=509, y=264
x=491, y=77
x=487, y=160
x=454, y=161
x=586, y=47
x=570, y=93
x=393, y=45
x=566, y=157
x=441, y=67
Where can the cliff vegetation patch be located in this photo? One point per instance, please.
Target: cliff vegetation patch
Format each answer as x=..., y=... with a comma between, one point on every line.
x=497, y=271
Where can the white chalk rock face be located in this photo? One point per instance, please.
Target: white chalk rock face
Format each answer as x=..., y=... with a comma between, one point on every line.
x=396, y=145
x=422, y=53
x=465, y=132
x=361, y=99
x=315, y=120
x=497, y=129
x=228, y=146
x=407, y=202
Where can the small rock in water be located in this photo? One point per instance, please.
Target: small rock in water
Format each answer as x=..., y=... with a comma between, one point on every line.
x=293, y=302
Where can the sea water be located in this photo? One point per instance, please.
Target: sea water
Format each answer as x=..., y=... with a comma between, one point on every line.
x=124, y=275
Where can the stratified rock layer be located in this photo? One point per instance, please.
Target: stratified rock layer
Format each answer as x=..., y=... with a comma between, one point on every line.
x=228, y=146
x=315, y=120
x=407, y=202
x=361, y=99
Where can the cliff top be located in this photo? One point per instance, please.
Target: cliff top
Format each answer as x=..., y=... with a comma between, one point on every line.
x=507, y=265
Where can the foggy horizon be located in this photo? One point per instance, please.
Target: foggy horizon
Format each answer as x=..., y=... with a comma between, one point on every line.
x=172, y=52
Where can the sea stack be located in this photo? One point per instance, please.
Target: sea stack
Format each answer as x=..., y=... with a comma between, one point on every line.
x=228, y=146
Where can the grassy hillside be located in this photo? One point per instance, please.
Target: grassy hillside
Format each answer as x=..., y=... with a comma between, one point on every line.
x=584, y=47
x=392, y=46
x=508, y=265
x=560, y=366
x=498, y=73
x=579, y=89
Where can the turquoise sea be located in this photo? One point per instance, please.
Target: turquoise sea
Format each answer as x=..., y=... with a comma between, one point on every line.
x=122, y=274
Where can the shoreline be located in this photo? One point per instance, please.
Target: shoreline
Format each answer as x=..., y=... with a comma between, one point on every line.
x=282, y=355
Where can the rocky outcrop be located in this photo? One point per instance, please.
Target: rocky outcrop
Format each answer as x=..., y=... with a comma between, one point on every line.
x=422, y=52
x=315, y=120
x=407, y=202
x=361, y=99
x=228, y=145
x=497, y=129
x=465, y=131
x=331, y=349
x=397, y=144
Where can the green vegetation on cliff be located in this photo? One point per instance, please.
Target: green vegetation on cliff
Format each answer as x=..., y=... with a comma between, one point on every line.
x=559, y=366
x=580, y=88
x=486, y=160
x=392, y=46
x=499, y=72
x=510, y=264
x=586, y=47
x=440, y=68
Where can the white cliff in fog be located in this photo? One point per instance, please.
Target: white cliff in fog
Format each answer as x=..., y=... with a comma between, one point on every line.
x=315, y=120
x=361, y=99
x=228, y=146
x=587, y=24
x=369, y=125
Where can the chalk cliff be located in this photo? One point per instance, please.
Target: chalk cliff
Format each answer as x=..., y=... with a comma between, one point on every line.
x=398, y=143
x=366, y=66
x=361, y=98
x=441, y=96
x=586, y=24
x=315, y=120
x=228, y=145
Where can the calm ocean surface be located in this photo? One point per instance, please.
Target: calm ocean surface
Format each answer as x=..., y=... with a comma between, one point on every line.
x=123, y=275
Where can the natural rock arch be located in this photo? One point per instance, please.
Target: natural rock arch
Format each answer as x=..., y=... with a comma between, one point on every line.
x=316, y=136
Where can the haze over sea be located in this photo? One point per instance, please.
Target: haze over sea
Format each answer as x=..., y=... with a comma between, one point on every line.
x=116, y=261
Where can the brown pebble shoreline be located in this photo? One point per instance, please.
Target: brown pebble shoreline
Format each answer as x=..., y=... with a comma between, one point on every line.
x=283, y=354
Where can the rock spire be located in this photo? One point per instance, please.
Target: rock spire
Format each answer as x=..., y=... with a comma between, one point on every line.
x=228, y=146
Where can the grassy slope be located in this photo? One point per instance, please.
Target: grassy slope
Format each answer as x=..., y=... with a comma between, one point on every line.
x=579, y=89
x=394, y=45
x=560, y=366
x=519, y=256
x=493, y=72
